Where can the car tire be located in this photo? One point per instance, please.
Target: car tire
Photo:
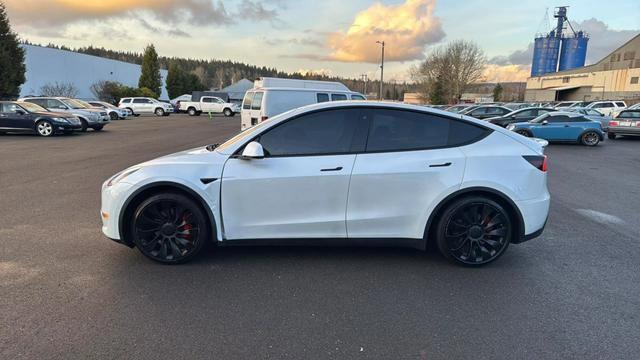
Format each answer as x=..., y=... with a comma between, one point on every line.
x=83, y=125
x=114, y=116
x=524, y=133
x=474, y=231
x=590, y=138
x=159, y=112
x=132, y=113
x=192, y=112
x=611, y=136
x=98, y=128
x=228, y=112
x=169, y=228
x=44, y=128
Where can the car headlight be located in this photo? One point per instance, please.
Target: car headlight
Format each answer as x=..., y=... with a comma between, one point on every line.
x=60, y=120
x=121, y=175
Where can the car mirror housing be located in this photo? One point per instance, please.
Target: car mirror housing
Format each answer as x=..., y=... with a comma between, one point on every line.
x=545, y=122
x=253, y=150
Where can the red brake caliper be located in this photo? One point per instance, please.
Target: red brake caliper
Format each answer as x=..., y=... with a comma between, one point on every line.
x=186, y=227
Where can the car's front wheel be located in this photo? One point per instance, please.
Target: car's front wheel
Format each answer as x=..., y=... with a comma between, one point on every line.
x=228, y=112
x=474, y=231
x=114, y=116
x=169, y=228
x=84, y=125
x=159, y=112
x=590, y=138
x=44, y=128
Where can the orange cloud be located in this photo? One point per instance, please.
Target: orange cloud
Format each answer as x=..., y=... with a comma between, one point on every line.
x=506, y=73
x=406, y=28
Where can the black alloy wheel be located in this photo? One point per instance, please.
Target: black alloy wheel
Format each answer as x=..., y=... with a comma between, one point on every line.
x=474, y=231
x=113, y=115
x=590, y=138
x=169, y=228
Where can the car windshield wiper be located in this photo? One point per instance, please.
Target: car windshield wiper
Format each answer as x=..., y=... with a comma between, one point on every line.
x=212, y=147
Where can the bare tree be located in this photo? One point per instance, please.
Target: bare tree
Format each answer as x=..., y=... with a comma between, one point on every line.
x=452, y=67
x=59, y=89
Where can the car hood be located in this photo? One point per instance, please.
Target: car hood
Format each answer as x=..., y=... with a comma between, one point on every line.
x=196, y=156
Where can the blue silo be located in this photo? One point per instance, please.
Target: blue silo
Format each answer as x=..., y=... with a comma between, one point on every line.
x=545, y=54
x=574, y=51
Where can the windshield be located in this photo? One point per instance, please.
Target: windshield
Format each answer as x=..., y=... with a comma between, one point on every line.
x=31, y=107
x=540, y=118
x=74, y=104
x=84, y=103
x=110, y=106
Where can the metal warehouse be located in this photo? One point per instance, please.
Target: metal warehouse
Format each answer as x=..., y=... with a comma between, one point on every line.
x=614, y=77
x=48, y=66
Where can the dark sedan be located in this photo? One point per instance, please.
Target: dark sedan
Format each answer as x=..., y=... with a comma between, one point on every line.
x=487, y=111
x=521, y=115
x=29, y=117
x=627, y=123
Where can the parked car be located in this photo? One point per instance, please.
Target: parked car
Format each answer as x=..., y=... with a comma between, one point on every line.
x=443, y=178
x=145, y=105
x=615, y=112
x=114, y=112
x=486, y=111
x=561, y=127
x=28, y=117
x=176, y=101
x=458, y=108
x=593, y=114
x=96, y=119
x=520, y=115
x=566, y=104
x=607, y=107
x=209, y=104
x=517, y=106
x=627, y=123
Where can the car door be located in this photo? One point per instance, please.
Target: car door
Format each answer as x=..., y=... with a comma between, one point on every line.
x=407, y=166
x=5, y=116
x=217, y=105
x=553, y=129
x=299, y=189
x=16, y=117
x=206, y=104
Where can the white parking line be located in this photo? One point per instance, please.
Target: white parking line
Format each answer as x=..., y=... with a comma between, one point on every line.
x=600, y=217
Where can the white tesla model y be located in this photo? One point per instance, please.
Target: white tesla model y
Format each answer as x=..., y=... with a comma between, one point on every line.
x=362, y=173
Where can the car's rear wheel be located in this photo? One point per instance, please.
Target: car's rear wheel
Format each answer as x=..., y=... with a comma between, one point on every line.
x=523, y=133
x=169, y=228
x=611, y=136
x=192, y=112
x=44, y=128
x=159, y=112
x=590, y=138
x=474, y=231
x=228, y=112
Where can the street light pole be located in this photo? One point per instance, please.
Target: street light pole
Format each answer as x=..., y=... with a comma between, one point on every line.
x=381, y=69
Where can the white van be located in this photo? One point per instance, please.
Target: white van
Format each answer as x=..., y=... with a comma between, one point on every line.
x=266, y=100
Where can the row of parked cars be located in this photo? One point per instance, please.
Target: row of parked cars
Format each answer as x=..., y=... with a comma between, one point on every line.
x=47, y=116
x=575, y=121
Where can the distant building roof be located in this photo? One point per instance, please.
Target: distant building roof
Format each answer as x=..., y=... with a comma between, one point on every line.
x=238, y=89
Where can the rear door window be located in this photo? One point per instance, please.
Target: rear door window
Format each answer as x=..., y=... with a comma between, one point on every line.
x=322, y=97
x=338, y=97
x=256, y=103
x=246, y=104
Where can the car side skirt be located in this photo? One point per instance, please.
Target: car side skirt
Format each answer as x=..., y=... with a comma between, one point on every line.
x=418, y=244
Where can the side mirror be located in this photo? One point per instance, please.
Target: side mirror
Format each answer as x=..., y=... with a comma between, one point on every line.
x=544, y=122
x=253, y=150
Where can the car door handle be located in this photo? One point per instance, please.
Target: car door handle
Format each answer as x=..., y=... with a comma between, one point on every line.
x=441, y=165
x=333, y=169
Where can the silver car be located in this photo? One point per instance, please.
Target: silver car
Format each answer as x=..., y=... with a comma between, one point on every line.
x=115, y=113
x=89, y=117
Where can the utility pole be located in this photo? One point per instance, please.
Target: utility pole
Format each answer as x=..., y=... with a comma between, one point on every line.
x=364, y=78
x=381, y=69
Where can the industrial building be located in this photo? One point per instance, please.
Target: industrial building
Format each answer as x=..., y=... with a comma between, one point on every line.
x=558, y=71
x=48, y=66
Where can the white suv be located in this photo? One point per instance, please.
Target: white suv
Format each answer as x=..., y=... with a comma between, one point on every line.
x=145, y=105
x=608, y=107
x=348, y=172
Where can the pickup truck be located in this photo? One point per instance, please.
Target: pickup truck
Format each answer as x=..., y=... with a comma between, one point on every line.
x=209, y=104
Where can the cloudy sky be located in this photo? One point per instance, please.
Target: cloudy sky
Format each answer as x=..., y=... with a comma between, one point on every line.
x=333, y=36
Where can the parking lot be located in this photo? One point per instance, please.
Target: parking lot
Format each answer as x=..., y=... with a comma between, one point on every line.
x=68, y=292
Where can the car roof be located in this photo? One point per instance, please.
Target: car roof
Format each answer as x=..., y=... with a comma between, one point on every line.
x=567, y=113
x=302, y=90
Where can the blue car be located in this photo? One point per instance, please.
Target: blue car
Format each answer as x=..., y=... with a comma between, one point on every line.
x=562, y=127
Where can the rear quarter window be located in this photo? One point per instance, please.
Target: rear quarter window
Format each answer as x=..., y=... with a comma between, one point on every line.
x=246, y=104
x=256, y=103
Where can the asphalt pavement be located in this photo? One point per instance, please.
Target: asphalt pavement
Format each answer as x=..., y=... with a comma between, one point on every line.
x=66, y=292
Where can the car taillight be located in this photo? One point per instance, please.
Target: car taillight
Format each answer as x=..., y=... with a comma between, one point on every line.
x=264, y=118
x=538, y=161
x=613, y=123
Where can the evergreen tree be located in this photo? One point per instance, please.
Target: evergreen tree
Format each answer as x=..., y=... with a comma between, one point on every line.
x=436, y=93
x=150, y=76
x=12, y=68
x=497, y=92
x=176, y=80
